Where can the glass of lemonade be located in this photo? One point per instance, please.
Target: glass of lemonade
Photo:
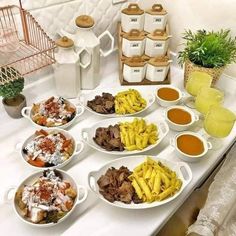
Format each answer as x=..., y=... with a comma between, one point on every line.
x=196, y=81
x=219, y=121
x=208, y=97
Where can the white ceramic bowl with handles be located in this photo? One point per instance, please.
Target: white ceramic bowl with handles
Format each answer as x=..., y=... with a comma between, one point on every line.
x=27, y=113
x=82, y=194
x=88, y=133
x=78, y=148
x=166, y=103
x=179, y=127
x=191, y=158
x=131, y=162
x=84, y=98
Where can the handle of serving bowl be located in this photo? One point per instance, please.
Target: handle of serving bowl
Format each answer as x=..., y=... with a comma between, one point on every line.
x=209, y=145
x=84, y=135
x=163, y=114
x=151, y=98
x=80, y=110
x=92, y=181
x=164, y=128
x=81, y=99
x=81, y=147
x=196, y=117
x=85, y=195
x=6, y=198
x=188, y=171
x=172, y=142
x=26, y=112
x=18, y=146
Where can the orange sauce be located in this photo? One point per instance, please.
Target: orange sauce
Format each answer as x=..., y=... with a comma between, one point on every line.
x=190, y=144
x=168, y=94
x=179, y=116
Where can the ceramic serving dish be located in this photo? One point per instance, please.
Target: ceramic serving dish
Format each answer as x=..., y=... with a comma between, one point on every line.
x=179, y=127
x=84, y=98
x=78, y=148
x=11, y=198
x=191, y=158
x=88, y=133
x=166, y=103
x=131, y=162
x=27, y=113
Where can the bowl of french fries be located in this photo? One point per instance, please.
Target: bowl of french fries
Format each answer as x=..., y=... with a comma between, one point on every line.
x=134, y=135
x=154, y=180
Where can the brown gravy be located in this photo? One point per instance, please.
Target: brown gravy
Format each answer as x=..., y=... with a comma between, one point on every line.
x=168, y=94
x=190, y=144
x=179, y=116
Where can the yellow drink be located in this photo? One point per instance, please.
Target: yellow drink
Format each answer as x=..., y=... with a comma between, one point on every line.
x=196, y=81
x=208, y=97
x=219, y=122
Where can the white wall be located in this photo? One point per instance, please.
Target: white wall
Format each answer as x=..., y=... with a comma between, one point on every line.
x=183, y=14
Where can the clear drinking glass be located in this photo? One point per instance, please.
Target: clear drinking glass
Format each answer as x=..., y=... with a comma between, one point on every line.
x=218, y=123
x=196, y=81
x=208, y=97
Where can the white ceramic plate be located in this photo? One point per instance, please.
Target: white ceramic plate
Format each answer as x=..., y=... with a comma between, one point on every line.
x=87, y=134
x=26, y=112
x=84, y=98
x=32, y=179
x=78, y=148
x=181, y=168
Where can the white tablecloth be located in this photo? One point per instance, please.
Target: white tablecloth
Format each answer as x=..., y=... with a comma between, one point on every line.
x=94, y=217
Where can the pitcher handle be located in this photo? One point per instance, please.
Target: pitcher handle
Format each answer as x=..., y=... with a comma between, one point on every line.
x=105, y=54
x=84, y=66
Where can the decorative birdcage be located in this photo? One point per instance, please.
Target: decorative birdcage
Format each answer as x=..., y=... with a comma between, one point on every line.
x=24, y=46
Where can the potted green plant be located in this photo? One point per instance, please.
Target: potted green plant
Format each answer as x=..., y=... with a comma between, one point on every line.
x=208, y=52
x=11, y=86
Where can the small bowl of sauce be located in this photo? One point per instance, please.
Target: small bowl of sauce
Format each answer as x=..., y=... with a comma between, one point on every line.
x=180, y=118
x=168, y=96
x=190, y=146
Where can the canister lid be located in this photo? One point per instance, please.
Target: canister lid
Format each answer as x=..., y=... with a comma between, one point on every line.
x=159, y=61
x=133, y=9
x=65, y=42
x=134, y=34
x=158, y=35
x=135, y=61
x=84, y=21
x=157, y=9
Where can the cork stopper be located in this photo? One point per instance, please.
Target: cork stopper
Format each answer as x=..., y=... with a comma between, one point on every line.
x=159, y=61
x=135, y=61
x=158, y=35
x=133, y=9
x=84, y=21
x=134, y=35
x=65, y=42
x=157, y=9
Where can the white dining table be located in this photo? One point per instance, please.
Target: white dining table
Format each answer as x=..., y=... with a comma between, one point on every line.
x=94, y=216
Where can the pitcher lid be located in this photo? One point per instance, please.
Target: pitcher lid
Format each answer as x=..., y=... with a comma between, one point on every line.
x=135, y=61
x=84, y=21
x=157, y=9
x=159, y=61
x=134, y=34
x=158, y=35
x=133, y=9
x=65, y=42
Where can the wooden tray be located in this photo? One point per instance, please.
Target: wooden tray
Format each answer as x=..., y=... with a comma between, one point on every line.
x=145, y=57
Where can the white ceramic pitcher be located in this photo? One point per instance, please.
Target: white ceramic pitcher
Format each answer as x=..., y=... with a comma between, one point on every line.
x=85, y=38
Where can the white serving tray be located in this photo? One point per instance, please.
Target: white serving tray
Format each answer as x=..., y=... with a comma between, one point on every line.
x=88, y=133
x=181, y=168
x=84, y=98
